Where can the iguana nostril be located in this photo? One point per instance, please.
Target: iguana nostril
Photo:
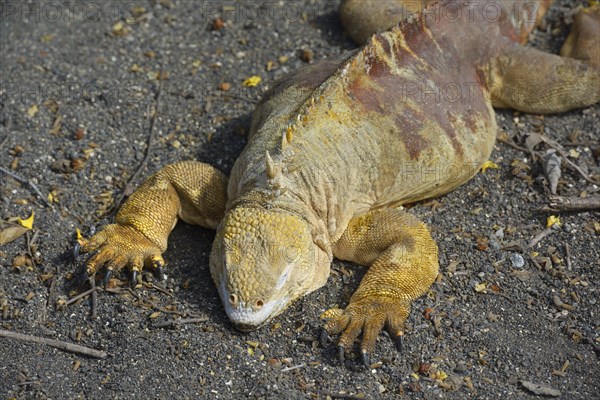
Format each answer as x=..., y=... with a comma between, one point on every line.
x=258, y=305
x=233, y=299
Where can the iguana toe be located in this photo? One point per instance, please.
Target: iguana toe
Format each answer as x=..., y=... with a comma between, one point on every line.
x=158, y=264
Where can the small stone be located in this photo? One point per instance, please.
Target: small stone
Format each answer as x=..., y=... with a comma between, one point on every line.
x=79, y=134
x=517, y=260
x=460, y=367
x=307, y=55
x=499, y=233
x=176, y=144
x=218, y=24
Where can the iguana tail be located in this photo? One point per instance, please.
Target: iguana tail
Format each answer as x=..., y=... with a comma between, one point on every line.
x=532, y=81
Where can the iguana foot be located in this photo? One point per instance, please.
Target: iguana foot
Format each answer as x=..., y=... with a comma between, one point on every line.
x=403, y=259
x=119, y=246
x=368, y=315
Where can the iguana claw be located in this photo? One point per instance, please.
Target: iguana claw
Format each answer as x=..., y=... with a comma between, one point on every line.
x=364, y=355
x=158, y=265
x=399, y=342
x=107, y=276
x=76, y=251
x=341, y=355
x=134, y=275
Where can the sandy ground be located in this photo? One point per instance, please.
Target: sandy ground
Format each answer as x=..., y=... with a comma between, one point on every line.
x=78, y=88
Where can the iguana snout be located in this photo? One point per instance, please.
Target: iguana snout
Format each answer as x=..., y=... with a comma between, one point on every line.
x=262, y=260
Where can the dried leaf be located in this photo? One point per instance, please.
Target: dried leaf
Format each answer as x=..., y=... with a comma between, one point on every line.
x=573, y=153
x=56, y=126
x=533, y=139
x=120, y=29
x=439, y=375
x=540, y=390
x=136, y=68
x=252, y=81
x=47, y=38
x=11, y=233
x=481, y=287
x=31, y=111
x=552, y=169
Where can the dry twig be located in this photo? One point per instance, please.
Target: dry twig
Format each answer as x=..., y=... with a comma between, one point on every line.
x=82, y=295
x=26, y=182
x=561, y=203
x=69, y=347
x=175, y=322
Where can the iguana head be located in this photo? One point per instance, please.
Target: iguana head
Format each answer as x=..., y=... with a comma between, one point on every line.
x=261, y=261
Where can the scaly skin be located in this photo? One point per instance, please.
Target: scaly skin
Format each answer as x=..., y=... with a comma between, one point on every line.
x=336, y=147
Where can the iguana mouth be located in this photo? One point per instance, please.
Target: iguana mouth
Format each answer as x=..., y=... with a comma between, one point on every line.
x=247, y=318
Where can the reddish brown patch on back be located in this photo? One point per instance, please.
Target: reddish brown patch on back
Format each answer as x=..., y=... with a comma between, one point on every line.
x=409, y=125
x=367, y=97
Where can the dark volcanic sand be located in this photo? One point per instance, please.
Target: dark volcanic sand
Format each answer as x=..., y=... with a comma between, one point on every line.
x=104, y=82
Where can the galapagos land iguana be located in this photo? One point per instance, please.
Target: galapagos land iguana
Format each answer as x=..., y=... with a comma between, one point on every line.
x=335, y=148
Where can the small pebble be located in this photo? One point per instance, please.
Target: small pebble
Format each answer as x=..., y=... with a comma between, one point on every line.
x=517, y=260
x=307, y=55
x=218, y=24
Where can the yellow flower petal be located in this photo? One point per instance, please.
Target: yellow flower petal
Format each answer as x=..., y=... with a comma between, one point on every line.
x=27, y=223
x=487, y=165
x=252, y=81
x=552, y=220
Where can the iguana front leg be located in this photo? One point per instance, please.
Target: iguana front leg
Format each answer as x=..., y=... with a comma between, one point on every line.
x=193, y=191
x=404, y=264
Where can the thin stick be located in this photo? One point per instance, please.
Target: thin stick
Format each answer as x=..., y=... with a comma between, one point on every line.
x=68, y=347
x=340, y=395
x=156, y=287
x=94, y=297
x=561, y=203
x=82, y=295
x=30, y=242
x=4, y=142
x=149, y=143
x=568, y=256
x=536, y=239
x=513, y=145
x=287, y=369
x=175, y=322
x=26, y=182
